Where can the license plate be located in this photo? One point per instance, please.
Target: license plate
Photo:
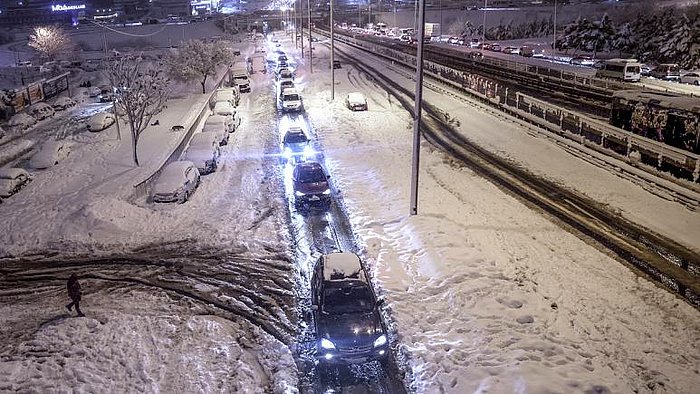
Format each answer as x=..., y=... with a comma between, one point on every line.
x=315, y=198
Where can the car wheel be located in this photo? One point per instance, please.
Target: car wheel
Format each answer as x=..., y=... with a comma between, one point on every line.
x=697, y=83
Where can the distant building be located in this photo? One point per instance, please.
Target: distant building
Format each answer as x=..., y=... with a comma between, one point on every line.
x=165, y=8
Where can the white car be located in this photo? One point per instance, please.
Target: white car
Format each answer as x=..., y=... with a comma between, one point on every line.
x=41, y=111
x=63, y=103
x=50, y=154
x=100, y=121
x=356, y=101
x=230, y=95
x=12, y=179
x=203, y=152
x=176, y=183
x=290, y=100
x=692, y=78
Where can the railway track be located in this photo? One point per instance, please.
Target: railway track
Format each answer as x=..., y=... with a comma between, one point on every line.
x=592, y=100
x=668, y=263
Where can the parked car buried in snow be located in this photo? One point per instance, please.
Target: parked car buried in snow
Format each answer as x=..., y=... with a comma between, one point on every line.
x=11, y=180
x=41, y=111
x=51, y=153
x=100, y=121
x=176, y=182
x=349, y=328
x=356, y=101
x=203, y=151
x=21, y=121
x=63, y=103
x=229, y=122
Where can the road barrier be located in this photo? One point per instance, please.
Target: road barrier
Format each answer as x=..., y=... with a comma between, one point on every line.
x=656, y=156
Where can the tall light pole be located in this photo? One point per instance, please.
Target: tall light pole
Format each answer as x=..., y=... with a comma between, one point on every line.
x=301, y=26
x=332, y=56
x=417, y=111
x=359, y=14
x=554, y=44
x=483, y=27
x=311, y=47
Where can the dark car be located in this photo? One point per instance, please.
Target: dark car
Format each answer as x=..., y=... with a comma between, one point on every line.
x=349, y=328
x=336, y=63
x=310, y=185
x=296, y=145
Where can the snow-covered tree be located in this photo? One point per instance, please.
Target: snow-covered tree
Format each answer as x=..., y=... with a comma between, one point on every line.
x=596, y=35
x=49, y=41
x=141, y=92
x=198, y=60
x=623, y=39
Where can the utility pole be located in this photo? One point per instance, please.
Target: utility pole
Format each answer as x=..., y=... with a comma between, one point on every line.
x=296, y=26
x=417, y=111
x=332, y=56
x=359, y=15
x=301, y=26
x=554, y=44
x=483, y=32
x=311, y=47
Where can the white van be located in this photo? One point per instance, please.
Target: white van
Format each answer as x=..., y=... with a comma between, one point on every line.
x=290, y=100
x=628, y=70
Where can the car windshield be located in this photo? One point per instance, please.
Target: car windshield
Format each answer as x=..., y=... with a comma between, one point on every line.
x=350, y=298
x=295, y=138
x=311, y=175
x=291, y=97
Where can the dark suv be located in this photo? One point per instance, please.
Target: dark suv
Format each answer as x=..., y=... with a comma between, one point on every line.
x=310, y=185
x=346, y=312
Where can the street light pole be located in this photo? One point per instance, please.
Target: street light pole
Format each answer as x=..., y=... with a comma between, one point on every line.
x=554, y=44
x=332, y=56
x=417, y=111
x=301, y=26
x=311, y=47
x=483, y=32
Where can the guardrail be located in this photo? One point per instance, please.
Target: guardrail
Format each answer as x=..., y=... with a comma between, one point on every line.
x=143, y=187
x=585, y=130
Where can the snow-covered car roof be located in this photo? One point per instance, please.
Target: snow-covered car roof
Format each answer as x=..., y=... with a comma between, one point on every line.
x=339, y=266
x=203, y=140
x=97, y=121
x=47, y=155
x=356, y=98
x=172, y=177
x=213, y=119
x=39, y=106
x=223, y=107
x=64, y=100
x=12, y=173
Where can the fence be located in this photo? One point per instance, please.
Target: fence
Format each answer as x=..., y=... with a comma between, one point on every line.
x=577, y=127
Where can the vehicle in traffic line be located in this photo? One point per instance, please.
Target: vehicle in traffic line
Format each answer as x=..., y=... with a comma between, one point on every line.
x=203, y=151
x=582, y=60
x=290, y=100
x=176, y=182
x=474, y=43
x=311, y=185
x=511, y=50
x=12, y=180
x=349, y=328
x=356, y=101
x=100, y=121
x=476, y=55
x=692, y=78
x=495, y=47
x=668, y=72
x=628, y=70
x=50, y=154
x=296, y=145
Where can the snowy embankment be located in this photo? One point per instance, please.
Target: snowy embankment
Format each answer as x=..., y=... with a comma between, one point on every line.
x=486, y=294
x=137, y=338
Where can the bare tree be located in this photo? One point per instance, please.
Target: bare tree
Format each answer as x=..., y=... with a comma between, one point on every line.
x=198, y=60
x=141, y=90
x=49, y=41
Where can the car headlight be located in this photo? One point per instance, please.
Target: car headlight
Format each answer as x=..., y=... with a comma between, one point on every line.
x=327, y=191
x=381, y=340
x=326, y=344
x=298, y=193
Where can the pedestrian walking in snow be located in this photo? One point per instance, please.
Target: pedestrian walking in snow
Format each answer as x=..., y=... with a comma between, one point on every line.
x=74, y=292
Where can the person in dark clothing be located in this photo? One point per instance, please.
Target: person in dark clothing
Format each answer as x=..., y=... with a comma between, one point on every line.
x=74, y=292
